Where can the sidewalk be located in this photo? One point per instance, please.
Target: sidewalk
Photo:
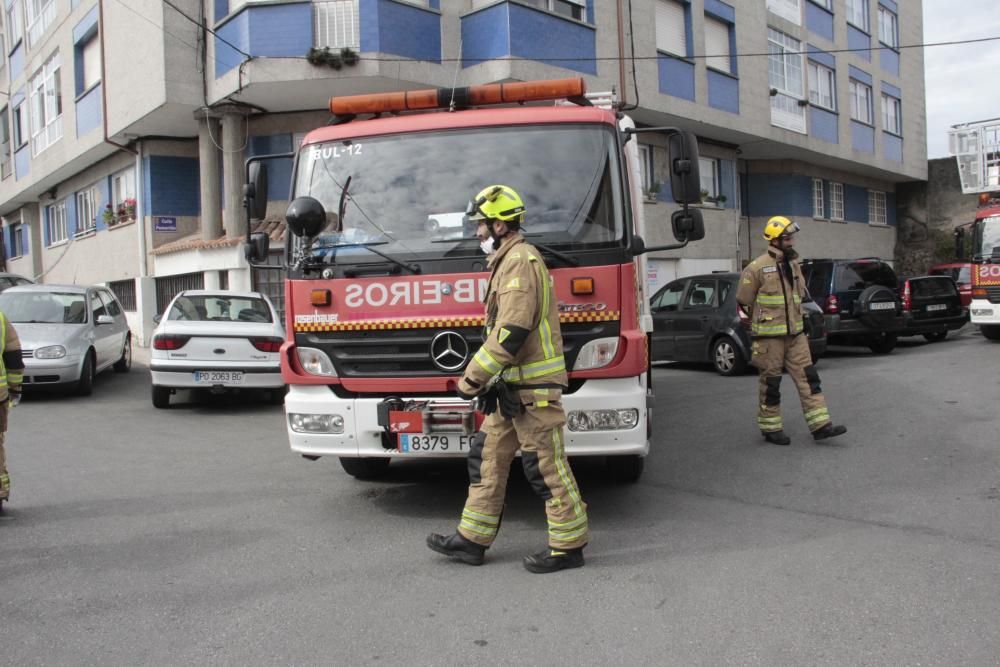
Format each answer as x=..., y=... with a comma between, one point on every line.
x=140, y=356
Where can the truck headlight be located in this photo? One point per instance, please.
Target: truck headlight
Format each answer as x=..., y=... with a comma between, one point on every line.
x=602, y=420
x=50, y=352
x=310, y=423
x=315, y=362
x=597, y=353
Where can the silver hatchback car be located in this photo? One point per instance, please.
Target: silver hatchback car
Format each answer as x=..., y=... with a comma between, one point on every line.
x=68, y=333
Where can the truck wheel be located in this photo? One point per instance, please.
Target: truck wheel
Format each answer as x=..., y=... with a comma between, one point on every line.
x=990, y=331
x=884, y=344
x=727, y=358
x=626, y=469
x=936, y=336
x=161, y=397
x=365, y=468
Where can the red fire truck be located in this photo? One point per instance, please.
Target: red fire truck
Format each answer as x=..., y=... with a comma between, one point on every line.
x=977, y=149
x=386, y=279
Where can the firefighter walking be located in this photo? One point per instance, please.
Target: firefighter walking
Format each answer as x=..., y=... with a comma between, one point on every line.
x=11, y=376
x=520, y=370
x=771, y=289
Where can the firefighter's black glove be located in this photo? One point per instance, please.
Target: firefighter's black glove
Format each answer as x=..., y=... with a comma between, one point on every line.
x=488, y=401
x=509, y=400
x=462, y=395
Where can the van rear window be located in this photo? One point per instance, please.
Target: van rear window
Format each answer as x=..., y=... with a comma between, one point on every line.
x=932, y=287
x=861, y=275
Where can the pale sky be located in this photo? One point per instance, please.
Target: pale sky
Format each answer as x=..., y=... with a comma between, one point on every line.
x=963, y=81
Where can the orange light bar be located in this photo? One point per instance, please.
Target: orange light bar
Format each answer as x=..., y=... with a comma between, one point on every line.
x=983, y=198
x=581, y=286
x=442, y=98
x=320, y=297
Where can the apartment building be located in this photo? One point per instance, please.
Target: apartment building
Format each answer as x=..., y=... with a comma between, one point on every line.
x=126, y=122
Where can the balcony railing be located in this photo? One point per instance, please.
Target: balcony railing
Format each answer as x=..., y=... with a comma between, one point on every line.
x=336, y=24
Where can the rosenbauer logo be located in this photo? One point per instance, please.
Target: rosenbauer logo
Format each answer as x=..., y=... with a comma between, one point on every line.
x=415, y=293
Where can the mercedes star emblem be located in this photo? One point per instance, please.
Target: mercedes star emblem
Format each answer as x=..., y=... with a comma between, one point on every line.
x=449, y=351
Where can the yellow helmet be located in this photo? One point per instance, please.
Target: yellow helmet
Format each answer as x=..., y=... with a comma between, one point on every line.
x=777, y=226
x=496, y=202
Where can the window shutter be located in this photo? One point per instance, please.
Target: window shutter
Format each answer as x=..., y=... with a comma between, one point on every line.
x=717, y=45
x=671, y=32
x=91, y=63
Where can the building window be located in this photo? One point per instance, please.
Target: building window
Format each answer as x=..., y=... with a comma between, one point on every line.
x=785, y=73
x=46, y=106
x=58, y=226
x=5, y=161
x=861, y=102
x=671, y=28
x=123, y=195
x=888, y=28
x=39, y=15
x=790, y=10
x=16, y=240
x=836, y=201
x=86, y=211
x=646, y=168
x=822, y=86
x=818, y=198
x=709, y=172
x=20, y=125
x=825, y=4
x=124, y=291
x=574, y=9
x=88, y=64
x=14, y=30
x=857, y=14
x=717, y=45
x=337, y=24
x=892, y=115
x=876, y=207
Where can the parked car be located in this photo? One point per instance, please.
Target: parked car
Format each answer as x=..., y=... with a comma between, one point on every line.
x=12, y=280
x=860, y=298
x=932, y=307
x=68, y=333
x=696, y=319
x=961, y=273
x=217, y=339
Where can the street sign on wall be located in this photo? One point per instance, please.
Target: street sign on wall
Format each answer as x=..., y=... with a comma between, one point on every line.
x=162, y=224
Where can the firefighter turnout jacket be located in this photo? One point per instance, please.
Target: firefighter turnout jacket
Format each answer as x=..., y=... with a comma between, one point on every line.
x=522, y=342
x=772, y=290
x=11, y=377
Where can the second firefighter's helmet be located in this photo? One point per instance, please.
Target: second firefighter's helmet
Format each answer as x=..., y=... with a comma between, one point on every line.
x=779, y=225
x=496, y=202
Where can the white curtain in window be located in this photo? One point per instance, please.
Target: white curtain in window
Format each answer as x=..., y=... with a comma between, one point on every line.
x=671, y=31
x=717, y=44
x=91, y=62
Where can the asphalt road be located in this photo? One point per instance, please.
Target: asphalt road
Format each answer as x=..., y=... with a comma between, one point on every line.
x=193, y=536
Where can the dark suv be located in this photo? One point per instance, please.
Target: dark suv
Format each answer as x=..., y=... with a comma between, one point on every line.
x=696, y=319
x=860, y=298
x=932, y=306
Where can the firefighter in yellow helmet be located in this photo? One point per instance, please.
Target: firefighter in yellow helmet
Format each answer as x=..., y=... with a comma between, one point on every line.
x=771, y=291
x=518, y=375
x=11, y=377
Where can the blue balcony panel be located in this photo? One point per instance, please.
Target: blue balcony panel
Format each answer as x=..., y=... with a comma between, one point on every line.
x=17, y=62
x=173, y=186
x=823, y=125
x=388, y=26
x=892, y=146
x=889, y=60
x=862, y=137
x=264, y=30
x=857, y=39
x=22, y=162
x=855, y=204
x=819, y=20
x=676, y=77
x=723, y=92
x=89, y=111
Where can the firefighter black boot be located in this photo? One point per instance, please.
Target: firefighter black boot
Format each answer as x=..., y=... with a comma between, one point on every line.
x=776, y=437
x=458, y=548
x=553, y=560
x=829, y=431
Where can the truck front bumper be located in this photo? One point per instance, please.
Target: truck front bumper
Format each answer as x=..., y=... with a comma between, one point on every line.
x=984, y=312
x=362, y=436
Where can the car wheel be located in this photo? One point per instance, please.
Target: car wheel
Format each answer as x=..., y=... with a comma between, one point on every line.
x=625, y=469
x=884, y=344
x=125, y=363
x=936, y=336
x=990, y=331
x=727, y=358
x=85, y=385
x=365, y=468
x=161, y=397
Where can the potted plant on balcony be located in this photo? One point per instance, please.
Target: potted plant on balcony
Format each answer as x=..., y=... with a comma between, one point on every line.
x=651, y=192
x=108, y=215
x=126, y=211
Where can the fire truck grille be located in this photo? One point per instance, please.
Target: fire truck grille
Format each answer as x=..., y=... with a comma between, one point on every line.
x=407, y=352
x=993, y=294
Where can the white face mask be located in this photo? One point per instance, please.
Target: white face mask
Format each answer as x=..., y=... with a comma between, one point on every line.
x=487, y=246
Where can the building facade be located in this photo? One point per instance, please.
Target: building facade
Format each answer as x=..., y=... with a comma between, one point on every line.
x=127, y=123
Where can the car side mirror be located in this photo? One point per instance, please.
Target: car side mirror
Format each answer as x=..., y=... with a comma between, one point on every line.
x=105, y=319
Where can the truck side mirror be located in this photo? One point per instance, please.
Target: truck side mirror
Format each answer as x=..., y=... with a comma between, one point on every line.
x=305, y=216
x=959, y=243
x=257, y=248
x=255, y=191
x=685, y=178
x=687, y=225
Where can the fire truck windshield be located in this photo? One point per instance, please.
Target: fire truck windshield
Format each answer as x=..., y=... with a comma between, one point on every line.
x=989, y=236
x=408, y=193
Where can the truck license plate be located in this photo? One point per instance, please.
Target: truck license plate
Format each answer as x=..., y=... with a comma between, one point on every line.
x=937, y=306
x=410, y=443
x=219, y=377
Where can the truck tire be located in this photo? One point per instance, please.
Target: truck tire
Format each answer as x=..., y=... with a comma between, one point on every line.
x=625, y=469
x=990, y=331
x=365, y=468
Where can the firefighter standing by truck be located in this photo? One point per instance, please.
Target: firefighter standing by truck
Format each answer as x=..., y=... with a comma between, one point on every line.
x=772, y=289
x=518, y=375
x=11, y=377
